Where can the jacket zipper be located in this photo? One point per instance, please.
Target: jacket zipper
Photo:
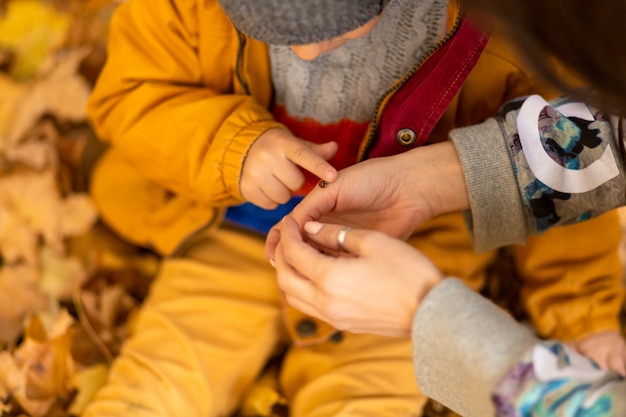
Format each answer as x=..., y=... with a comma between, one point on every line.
x=240, y=50
x=374, y=123
x=192, y=238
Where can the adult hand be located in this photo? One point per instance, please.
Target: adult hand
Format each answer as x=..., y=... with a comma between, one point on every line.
x=607, y=349
x=393, y=194
x=270, y=172
x=375, y=287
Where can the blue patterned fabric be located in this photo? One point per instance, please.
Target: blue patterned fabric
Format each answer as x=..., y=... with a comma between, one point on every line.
x=559, y=141
x=555, y=381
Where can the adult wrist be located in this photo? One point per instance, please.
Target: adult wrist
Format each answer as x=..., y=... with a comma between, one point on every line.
x=438, y=177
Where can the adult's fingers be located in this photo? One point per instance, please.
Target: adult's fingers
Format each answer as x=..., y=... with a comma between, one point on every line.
x=289, y=279
x=305, y=307
x=301, y=256
x=617, y=361
x=300, y=292
x=338, y=237
x=317, y=203
x=271, y=242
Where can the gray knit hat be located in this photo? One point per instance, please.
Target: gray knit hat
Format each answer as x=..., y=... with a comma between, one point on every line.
x=298, y=22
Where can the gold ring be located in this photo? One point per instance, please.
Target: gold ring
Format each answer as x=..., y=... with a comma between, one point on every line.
x=341, y=238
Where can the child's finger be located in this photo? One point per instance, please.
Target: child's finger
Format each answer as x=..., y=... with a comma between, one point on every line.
x=305, y=155
x=288, y=174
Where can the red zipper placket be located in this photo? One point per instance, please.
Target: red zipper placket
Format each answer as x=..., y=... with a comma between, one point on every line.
x=373, y=127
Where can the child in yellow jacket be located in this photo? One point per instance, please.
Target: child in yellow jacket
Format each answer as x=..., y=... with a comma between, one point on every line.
x=212, y=108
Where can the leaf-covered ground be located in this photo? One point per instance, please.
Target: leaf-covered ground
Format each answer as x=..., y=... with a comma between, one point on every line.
x=69, y=288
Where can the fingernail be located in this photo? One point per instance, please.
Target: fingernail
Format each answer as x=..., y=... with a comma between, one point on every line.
x=312, y=227
x=273, y=263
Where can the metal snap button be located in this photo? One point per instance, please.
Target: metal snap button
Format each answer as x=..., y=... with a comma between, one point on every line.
x=406, y=137
x=337, y=337
x=306, y=328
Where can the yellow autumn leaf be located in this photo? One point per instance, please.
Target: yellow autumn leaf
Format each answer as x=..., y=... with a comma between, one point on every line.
x=35, y=199
x=11, y=93
x=41, y=368
x=87, y=382
x=78, y=215
x=18, y=241
x=60, y=91
x=33, y=29
x=51, y=364
x=32, y=200
x=36, y=155
x=19, y=297
x=13, y=379
x=60, y=274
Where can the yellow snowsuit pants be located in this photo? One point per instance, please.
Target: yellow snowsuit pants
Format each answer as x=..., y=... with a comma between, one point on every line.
x=209, y=325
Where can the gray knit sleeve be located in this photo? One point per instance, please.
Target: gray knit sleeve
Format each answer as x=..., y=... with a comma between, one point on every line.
x=463, y=345
x=497, y=215
x=476, y=360
x=538, y=165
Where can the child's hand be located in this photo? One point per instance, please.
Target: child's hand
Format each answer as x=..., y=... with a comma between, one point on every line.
x=270, y=172
x=607, y=349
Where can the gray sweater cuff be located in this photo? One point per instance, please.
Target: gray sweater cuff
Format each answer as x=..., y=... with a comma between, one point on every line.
x=463, y=345
x=492, y=186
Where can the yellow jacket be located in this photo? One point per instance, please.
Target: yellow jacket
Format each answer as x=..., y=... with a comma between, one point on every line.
x=182, y=98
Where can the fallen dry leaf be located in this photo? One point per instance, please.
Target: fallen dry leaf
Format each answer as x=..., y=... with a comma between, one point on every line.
x=60, y=91
x=34, y=198
x=12, y=92
x=87, y=382
x=32, y=29
x=39, y=371
x=50, y=257
x=20, y=297
x=33, y=154
x=77, y=214
x=60, y=274
x=18, y=241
